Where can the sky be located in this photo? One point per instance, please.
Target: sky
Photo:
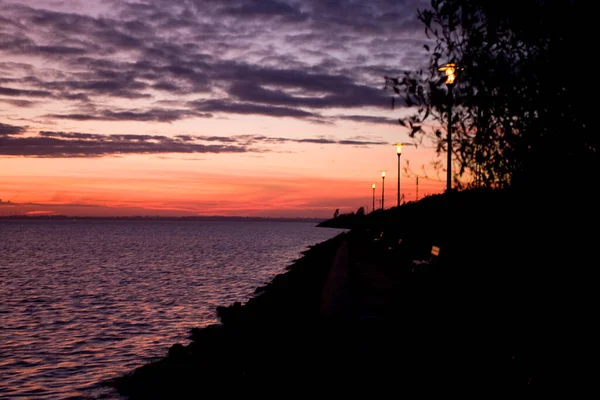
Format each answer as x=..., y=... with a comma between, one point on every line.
x=271, y=108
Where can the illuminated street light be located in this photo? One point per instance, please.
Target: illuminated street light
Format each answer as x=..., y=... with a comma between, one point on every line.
x=450, y=71
x=382, y=187
x=373, y=186
x=399, y=147
x=399, y=152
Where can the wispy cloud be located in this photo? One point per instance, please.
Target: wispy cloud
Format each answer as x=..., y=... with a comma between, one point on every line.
x=61, y=144
x=153, y=115
x=368, y=119
x=51, y=144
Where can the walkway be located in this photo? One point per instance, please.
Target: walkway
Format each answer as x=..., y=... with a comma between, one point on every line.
x=364, y=281
x=435, y=330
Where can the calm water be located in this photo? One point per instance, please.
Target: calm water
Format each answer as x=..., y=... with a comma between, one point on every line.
x=82, y=301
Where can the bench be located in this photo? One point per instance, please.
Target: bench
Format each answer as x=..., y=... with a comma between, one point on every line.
x=435, y=252
x=378, y=238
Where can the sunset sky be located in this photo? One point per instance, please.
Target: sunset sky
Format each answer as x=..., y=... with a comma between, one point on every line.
x=204, y=107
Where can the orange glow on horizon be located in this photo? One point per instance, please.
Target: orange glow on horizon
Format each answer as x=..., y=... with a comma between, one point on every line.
x=294, y=197
x=40, y=212
x=292, y=180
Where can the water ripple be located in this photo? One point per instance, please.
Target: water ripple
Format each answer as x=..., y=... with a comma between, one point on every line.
x=84, y=301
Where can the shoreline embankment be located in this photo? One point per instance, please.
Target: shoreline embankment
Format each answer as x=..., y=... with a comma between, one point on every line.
x=253, y=342
x=503, y=308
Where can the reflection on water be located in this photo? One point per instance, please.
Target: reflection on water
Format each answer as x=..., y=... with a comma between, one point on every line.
x=82, y=301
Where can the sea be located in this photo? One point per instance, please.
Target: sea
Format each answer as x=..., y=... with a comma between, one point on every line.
x=82, y=301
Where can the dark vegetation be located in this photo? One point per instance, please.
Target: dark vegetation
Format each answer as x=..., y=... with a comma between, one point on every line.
x=344, y=221
x=521, y=109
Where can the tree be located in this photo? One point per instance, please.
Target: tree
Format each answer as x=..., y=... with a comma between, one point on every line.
x=519, y=101
x=336, y=213
x=360, y=212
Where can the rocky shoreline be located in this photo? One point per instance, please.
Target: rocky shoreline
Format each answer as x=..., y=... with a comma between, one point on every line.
x=252, y=342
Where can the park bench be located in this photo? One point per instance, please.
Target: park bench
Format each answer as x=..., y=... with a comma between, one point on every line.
x=378, y=238
x=435, y=252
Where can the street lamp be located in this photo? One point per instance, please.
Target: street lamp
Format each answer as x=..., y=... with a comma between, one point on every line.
x=399, y=152
x=373, y=186
x=450, y=71
x=382, y=187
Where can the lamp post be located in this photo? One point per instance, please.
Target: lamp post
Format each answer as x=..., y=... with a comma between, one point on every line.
x=399, y=152
x=382, y=187
x=373, y=186
x=450, y=70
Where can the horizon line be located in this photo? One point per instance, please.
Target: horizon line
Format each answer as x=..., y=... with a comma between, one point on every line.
x=62, y=216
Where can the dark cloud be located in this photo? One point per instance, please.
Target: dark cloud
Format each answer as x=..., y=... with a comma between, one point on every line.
x=317, y=141
x=254, y=139
x=75, y=96
x=25, y=46
x=58, y=50
x=152, y=115
x=58, y=144
x=265, y=9
x=111, y=33
x=20, y=92
x=19, y=102
x=102, y=82
x=264, y=57
x=369, y=119
x=226, y=106
x=287, y=78
x=222, y=139
x=342, y=95
x=10, y=130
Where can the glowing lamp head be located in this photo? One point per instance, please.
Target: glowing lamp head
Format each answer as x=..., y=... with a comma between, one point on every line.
x=383, y=173
x=450, y=70
x=373, y=186
x=399, y=148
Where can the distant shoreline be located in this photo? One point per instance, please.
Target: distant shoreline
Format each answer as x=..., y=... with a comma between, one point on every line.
x=156, y=218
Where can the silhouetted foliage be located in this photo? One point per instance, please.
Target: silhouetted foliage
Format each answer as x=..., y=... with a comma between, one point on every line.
x=360, y=212
x=344, y=221
x=520, y=102
x=336, y=213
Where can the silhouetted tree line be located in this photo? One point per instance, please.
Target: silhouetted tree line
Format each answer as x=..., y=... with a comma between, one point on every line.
x=344, y=220
x=522, y=103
